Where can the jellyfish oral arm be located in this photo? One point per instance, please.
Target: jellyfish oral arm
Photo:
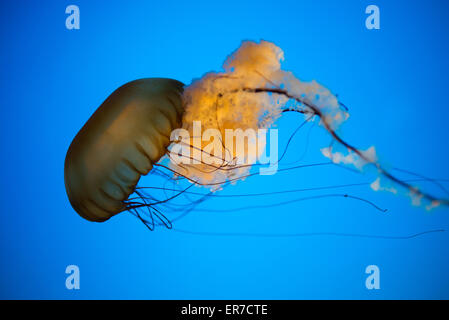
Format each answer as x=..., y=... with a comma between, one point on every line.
x=312, y=110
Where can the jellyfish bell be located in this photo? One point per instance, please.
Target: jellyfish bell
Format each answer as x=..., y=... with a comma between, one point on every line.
x=120, y=142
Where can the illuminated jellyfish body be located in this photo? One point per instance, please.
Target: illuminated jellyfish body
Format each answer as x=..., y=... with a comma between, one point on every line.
x=133, y=131
x=252, y=93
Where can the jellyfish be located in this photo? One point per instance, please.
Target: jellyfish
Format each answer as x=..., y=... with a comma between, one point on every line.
x=148, y=127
